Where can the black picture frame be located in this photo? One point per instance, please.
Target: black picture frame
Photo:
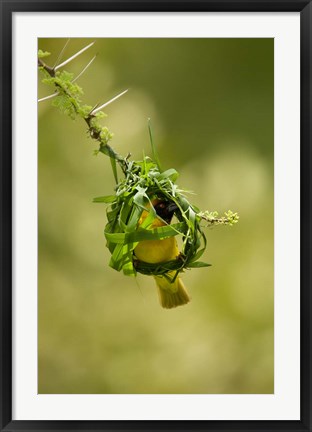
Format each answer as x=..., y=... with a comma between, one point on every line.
x=7, y=10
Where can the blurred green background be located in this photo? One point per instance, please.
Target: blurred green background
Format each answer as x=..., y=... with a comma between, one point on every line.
x=211, y=105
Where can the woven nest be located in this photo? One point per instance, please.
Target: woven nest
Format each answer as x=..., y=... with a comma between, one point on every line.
x=143, y=182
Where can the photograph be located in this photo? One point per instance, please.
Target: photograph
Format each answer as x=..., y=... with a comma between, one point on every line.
x=156, y=216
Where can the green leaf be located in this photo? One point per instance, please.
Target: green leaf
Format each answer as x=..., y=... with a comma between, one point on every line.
x=149, y=219
x=116, y=258
x=170, y=173
x=133, y=218
x=127, y=266
x=198, y=264
x=146, y=234
x=140, y=198
x=198, y=255
x=154, y=150
x=114, y=168
x=125, y=212
x=105, y=199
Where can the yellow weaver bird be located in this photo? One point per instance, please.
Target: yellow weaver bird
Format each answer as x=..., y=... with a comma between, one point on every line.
x=171, y=294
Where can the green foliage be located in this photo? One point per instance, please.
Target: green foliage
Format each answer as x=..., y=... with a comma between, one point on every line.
x=154, y=150
x=42, y=54
x=143, y=183
x=64, y=104
x=68, y=98
x=84, y=110
x=230, y=218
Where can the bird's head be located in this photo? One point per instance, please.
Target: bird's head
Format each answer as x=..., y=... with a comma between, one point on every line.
x=165, y=209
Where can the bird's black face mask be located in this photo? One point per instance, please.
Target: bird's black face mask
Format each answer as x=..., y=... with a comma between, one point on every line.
x=165, y=210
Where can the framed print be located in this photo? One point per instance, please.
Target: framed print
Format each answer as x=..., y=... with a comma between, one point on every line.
x=156, y=215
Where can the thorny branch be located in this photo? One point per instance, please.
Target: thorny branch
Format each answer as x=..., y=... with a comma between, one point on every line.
x=93, y=129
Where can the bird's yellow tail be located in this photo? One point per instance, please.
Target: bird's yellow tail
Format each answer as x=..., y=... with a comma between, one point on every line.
x=173, y=294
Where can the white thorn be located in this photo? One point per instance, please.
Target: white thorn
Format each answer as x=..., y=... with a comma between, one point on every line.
x=74, y=56
x=84, y=69
x=107, y=103
x=61, y=53
x=48, y=97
